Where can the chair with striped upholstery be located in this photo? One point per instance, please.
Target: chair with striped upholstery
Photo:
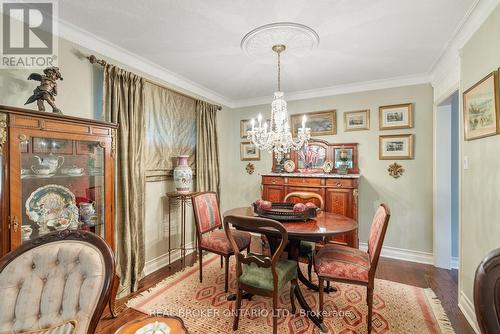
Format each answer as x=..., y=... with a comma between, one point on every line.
x=210, y=235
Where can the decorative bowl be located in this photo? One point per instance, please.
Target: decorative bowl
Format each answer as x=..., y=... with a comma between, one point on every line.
x=284, y=212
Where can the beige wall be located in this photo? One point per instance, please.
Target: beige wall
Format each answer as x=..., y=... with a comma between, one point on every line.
x=409, y=197
x=480, y=227
x=80, y=95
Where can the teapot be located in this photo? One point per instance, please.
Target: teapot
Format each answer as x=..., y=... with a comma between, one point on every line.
x=50, y=162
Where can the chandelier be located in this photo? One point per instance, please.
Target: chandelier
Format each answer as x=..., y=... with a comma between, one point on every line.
x=276, y=137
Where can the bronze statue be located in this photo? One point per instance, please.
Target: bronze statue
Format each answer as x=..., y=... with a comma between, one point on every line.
x=47, y=89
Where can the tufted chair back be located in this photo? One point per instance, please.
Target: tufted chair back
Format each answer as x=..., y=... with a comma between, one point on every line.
x=58, y=278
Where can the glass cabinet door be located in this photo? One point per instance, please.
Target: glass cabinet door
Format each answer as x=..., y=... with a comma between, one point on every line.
x=61, y=186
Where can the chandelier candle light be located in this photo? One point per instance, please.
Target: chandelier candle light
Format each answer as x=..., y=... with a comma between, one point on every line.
x=278, y=138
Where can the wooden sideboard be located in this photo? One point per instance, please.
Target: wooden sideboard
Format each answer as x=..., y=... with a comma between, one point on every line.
x=339, y=192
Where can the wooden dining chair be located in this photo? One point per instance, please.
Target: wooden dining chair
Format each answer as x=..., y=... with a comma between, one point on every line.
x=350, y=265
x=306, y=249
x=486, y=293
x=210, y=235
x=258, y=274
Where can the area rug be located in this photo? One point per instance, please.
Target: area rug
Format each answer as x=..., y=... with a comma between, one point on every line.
x=397, y=308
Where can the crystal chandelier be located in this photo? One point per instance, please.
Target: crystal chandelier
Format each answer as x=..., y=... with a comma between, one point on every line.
x=276, y=137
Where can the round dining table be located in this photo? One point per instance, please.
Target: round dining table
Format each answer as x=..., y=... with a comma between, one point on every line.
x=326, y=224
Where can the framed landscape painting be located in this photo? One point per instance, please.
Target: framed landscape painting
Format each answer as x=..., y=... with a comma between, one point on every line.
x=397, y=116
x=357, y=120
x=396, y=147
x=322, y=123
x=481, y=108
x=249, y=152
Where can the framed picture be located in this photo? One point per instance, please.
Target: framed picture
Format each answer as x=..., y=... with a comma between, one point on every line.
x=246, y=125
x=322, y=123
x=357, y=120
x=397, y=116
x=249, y=152
x=396, y=147
x=481, y=108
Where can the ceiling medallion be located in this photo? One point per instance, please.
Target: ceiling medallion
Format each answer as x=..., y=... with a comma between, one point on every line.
x=299, y=39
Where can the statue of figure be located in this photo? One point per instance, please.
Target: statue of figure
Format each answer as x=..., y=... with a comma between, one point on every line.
x=47, y=89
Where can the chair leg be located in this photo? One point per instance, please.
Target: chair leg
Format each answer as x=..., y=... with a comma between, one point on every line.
x=369, y=302
x=293, y=286
x=200, y=260
x=237, y=309
x=226, y=274
x=328, y=286
x=221, y=259
x=275, y=312
x=309, y=268
x=321, y=291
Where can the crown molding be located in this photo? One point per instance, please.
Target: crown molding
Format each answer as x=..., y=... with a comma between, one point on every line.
x=356, y=87
x=112, y=51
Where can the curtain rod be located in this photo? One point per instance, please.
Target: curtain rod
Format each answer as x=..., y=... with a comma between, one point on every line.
x=94, y=60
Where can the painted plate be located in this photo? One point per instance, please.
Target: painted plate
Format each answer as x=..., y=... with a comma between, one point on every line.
x=53, y=205
x=289, y=166
x=154, y=328
x=328, y=166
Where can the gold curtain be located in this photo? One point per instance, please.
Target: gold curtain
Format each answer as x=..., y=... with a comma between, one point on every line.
x=207, y=152
x=123, y=103
x=170, y=122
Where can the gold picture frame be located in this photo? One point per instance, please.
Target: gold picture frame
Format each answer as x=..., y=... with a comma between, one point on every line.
x=321, y=123
x=390, y=148
x=247, y=154
x=395, y=116
x=352, y=123
x=481, y=108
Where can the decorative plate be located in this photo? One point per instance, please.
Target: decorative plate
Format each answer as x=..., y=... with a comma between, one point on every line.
x=154, y=328
x=328, y=166
x=52, y=205
x=289, y=166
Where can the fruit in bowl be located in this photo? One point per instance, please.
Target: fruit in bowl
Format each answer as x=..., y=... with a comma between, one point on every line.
x=263, y=205
x=311, y=205
x=299, y=207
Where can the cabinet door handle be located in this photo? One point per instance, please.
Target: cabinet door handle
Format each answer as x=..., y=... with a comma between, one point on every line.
x=338, y=185
x=274, y=182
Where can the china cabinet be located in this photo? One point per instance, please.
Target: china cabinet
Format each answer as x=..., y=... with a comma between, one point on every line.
x=57, y=172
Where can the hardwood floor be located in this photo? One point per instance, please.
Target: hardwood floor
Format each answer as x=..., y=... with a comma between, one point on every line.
x=443, y=282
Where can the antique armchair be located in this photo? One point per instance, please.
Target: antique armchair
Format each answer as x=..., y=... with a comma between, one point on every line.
x=58, y=283
x=307, y=249
x=209, y=234
x=258, y=274
x=487, y=293
x=351, y=265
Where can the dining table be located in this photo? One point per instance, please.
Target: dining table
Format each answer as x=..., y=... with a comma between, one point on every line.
x=325, y=224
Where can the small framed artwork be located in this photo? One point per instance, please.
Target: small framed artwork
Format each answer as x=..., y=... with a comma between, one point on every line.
x=323, y=123
x=396, y=147
x=357, y=120
x=249, y=151
x=481, y=108
x=397, y=116
x=246, y=125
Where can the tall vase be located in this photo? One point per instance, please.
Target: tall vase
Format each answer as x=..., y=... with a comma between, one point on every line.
x=183, y=175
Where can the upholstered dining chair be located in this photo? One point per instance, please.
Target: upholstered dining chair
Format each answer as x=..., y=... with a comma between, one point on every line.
x=259, y=274
x=487, y=293
x=350, y=265
x=307, y=249
x=58, y=283
x=210, y=235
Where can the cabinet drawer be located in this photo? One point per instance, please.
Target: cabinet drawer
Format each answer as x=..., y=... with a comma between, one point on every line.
x=66, y=127
x=272, y=180
x=24, y=122
x=341, y=183
x=304, y=181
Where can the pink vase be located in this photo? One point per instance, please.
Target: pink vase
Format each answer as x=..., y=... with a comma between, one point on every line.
x=183, y=175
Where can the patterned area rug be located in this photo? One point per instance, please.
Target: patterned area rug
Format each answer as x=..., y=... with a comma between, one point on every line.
x=398, y=308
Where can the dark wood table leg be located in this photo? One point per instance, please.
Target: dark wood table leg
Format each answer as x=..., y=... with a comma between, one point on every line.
x=246, y=295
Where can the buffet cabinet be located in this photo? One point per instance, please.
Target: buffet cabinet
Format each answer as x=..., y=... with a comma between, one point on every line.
x=57, y=172
x=340, y=195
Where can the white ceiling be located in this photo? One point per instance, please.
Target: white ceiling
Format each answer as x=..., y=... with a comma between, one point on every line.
x=199, y=40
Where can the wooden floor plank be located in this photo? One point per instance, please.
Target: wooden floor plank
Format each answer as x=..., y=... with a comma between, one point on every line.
x=443, y=282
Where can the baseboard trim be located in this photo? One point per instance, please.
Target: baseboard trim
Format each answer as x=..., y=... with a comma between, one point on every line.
x=454, y=262
x=403, y=254
x=467, y=308
x=161, y=261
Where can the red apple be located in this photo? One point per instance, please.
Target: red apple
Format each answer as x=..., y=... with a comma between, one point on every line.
x=311, y=205
x=299, y=207
x=266, y=205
